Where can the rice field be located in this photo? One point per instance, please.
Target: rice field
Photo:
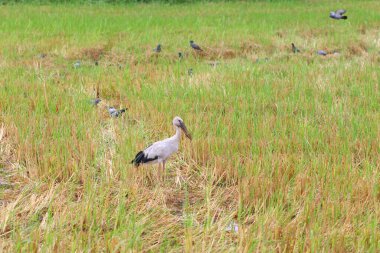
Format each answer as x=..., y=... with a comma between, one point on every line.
x=285, y=155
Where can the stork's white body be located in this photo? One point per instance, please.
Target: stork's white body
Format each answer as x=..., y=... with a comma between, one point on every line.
x=163, y=149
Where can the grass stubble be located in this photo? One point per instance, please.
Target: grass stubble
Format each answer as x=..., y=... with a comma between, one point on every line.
x=288, y=148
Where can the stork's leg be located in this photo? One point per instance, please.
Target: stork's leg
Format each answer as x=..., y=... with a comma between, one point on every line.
x=159, y=172
x=163, y=170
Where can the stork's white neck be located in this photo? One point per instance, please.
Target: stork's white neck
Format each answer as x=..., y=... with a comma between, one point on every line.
x=177, y=135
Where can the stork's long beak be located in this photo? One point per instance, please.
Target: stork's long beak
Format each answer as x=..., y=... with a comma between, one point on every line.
x=184, y=129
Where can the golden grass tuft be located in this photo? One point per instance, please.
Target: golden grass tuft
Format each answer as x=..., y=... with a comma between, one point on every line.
x=358, y=49
x=249, y=47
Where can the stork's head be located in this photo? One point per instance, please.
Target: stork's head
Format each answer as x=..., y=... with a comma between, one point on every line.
x=178, y=122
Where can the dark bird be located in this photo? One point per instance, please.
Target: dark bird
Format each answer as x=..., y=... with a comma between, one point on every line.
x=195, y=46
x=338, y=14
x=322, y=52
x=115, y=112
x=157, y=49
x=95, y=101
x=180, y=55
x=258, y=60
x=96, y=63
x=42, y=55
x=295, y=49
x=190, y=72
x=77, y=64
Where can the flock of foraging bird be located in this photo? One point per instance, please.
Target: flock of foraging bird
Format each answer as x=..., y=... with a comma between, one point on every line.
x=160, y=151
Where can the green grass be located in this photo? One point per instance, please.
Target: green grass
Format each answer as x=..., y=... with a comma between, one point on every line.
x=287, y=148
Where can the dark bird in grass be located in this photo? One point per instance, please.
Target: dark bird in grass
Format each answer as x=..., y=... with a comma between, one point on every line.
x=259, y=60
x=195, y=46
x=180, y=55
x=77, y=64
x=95, y=101
x=322, y=52
x=338, y=14
x=157, y=49
x=295, y=49
x=190, y=72
x=115, y=112
x=96, y=63
x=42, y=55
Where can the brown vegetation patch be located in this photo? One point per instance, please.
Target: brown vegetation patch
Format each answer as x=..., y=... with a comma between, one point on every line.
x=358, y=49
x=280, y=34
x=175, y=200
x=313, y=33
x=215, y=53
x=93, y=53
x=362, y=29
x=250, y=47
x=7, y=155
x=10, y=178
x=117, y=59
x=90, y=53
x=11, y=181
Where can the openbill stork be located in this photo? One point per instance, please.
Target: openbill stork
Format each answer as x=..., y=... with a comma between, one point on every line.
x=160, y=151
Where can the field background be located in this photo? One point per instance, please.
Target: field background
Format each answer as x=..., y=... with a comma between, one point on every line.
x=286, y=147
